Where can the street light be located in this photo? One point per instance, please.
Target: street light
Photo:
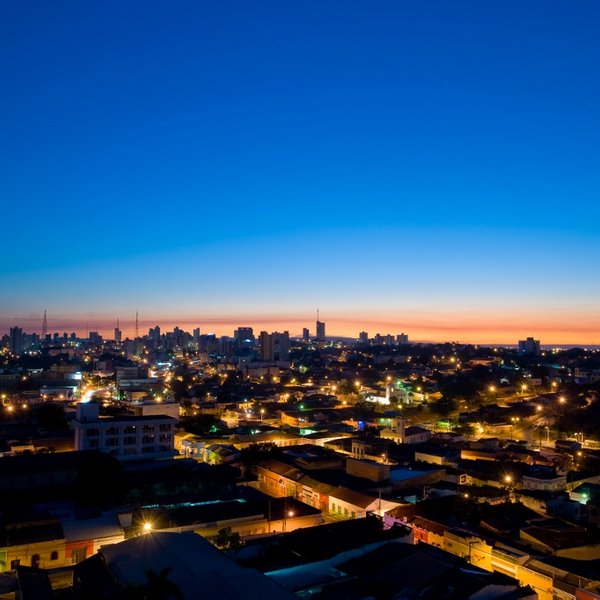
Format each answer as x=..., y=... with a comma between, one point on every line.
x=513, y=420
x=147, y=527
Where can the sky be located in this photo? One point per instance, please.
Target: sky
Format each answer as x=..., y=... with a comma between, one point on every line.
x=423, y=167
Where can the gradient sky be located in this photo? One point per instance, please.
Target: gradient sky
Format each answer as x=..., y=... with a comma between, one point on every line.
x=426, y=167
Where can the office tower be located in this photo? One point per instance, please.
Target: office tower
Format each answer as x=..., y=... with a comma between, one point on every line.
x=305, y=335
x=402, y=338
x=197, y=336
x=363, y=337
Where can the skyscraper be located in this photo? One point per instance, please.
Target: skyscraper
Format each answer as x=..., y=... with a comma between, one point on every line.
x=320, y=331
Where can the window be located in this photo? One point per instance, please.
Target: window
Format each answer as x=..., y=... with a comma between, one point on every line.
x=93, y=443
x=35, y=561
x=165, y=427
x=130, y=429
x=79, y=554
x=165, y=437
x=129, y=440
x=94, y=432
x=148, y=428
x=112, y=431
x=148, y=439
x=112, y=441
x=54, y=555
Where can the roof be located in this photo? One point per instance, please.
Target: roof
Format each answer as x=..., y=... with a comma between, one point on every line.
x=197, y=568
x=30, y=534
x=352, y=497
x=91, y=529
x=33, y=584
x=415, y=430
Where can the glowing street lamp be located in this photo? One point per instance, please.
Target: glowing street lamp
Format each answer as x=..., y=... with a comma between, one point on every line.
x=147, y=527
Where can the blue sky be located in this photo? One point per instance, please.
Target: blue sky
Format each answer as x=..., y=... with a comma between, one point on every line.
x=222, y=162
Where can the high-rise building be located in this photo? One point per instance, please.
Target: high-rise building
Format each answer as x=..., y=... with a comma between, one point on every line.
x=274, y=346
x=320, y=331
x=402, y=338
x=363, y=337
x=243, y=337
x=16, y=340
x=305, y=335
x=94, y=337
x=529, y=346
x=118, y=335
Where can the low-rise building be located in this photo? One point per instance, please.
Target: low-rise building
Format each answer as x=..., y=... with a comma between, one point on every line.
x=126, y=437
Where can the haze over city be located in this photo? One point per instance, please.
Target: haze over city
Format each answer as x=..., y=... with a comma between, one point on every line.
x=428, y=168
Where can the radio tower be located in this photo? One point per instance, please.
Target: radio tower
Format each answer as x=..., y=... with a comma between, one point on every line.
x=44, y=326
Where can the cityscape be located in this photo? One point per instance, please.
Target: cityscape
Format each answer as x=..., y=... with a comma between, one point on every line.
x=292, y=454
x=300, y=300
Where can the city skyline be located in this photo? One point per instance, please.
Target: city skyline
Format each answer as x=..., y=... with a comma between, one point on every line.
x=422, y=168
x=432, y=329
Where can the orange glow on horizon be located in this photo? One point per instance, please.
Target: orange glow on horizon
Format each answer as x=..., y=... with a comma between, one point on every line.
x=473, y=327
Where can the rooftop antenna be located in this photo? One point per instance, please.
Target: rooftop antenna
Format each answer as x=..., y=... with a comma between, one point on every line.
x=117, y=322
x=44, y=326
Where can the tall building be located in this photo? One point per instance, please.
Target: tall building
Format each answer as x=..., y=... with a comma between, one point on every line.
x=16, y=340
x=529, y=346
x=305, y=334
x=402, y=338
x=320, y=331
x=363, y=337
x=93, y=336
x=274, y=346
x=243, y=337
x=118, y=335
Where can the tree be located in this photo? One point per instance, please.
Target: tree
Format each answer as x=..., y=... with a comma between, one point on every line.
x=257, y=452
x=228, y=540
x=444, y=405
